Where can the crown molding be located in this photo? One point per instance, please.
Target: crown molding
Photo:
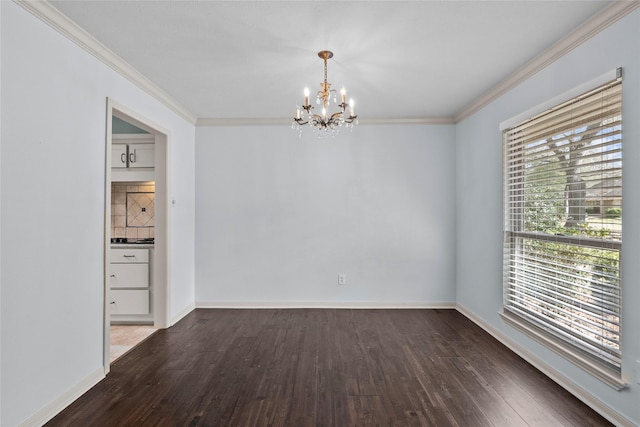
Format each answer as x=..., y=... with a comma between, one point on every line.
x=408, y=121
x=50, y=15
x=607, y=16
x=65, y=26
x=212, y=121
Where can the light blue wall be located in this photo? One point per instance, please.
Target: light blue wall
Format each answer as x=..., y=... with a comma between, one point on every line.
x=278, y=218
x=479, y=198
x=53, y=211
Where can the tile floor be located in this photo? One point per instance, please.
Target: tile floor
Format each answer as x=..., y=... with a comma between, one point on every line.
x=125, y=337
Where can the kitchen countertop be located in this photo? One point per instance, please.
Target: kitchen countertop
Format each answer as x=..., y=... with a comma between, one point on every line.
x=132, y=246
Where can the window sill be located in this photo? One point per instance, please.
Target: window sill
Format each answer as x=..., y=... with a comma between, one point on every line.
x=610, y=378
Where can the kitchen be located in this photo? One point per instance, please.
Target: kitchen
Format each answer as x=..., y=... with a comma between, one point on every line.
x=132, y=236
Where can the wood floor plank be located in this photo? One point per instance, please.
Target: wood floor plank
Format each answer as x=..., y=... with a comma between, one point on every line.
x=314, y=367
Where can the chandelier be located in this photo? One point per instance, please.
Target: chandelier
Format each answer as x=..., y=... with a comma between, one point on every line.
x=326, y=122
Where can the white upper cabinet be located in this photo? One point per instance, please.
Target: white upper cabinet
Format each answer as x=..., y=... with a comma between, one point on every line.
x=132, y=157
x=118, y=155
x=141, y=156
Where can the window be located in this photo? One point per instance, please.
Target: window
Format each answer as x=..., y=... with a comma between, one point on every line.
x=563, y=224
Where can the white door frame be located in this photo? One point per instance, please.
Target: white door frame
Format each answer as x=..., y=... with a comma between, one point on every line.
x=161, y=262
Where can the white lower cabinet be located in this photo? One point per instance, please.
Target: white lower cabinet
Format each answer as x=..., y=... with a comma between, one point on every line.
x=129, y=284
x=129, y=275
x=129, y=301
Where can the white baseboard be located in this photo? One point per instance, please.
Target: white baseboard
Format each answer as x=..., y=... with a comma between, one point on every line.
x=52, y=409
x=326, y=304
x=177, y=317
x=593, y=402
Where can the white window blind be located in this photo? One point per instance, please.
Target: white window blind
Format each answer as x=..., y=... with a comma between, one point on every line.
x=563, y=222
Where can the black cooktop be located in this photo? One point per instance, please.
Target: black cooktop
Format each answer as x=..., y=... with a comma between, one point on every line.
x=147, y=241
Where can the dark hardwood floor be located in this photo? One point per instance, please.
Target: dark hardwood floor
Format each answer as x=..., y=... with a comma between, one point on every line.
x=314, y=367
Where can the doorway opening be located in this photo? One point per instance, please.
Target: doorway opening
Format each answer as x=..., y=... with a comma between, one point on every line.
x=125, y=337
x=155, y=258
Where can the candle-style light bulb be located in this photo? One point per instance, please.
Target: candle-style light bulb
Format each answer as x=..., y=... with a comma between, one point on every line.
x=343, y=95
x=351, y=104
x=306, y=96
x=298, y=114
x=324, y=112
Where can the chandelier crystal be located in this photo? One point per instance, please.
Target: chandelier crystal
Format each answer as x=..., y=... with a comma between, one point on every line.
x=327, y=122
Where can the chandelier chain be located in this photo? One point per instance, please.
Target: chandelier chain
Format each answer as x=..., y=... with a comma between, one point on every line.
x=325, y=71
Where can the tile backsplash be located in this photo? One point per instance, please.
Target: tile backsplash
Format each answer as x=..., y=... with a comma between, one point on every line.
x=132, y=210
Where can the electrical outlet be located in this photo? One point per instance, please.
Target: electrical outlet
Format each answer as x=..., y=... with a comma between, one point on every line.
x=342, y=279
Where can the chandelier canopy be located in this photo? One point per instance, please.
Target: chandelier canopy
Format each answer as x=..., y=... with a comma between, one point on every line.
x=326, y=122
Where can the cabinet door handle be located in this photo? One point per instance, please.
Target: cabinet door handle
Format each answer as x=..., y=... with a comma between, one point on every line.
x=129, y=256
x=123, y=158
x=132, y=157
x=113, y=275
x=112, y=302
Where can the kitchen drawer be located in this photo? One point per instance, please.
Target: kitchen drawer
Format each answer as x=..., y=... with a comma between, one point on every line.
x=129, y=256
x=129, y=276
x=129, y=301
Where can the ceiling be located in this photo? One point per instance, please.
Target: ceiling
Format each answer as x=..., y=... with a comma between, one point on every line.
x=397, y=59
